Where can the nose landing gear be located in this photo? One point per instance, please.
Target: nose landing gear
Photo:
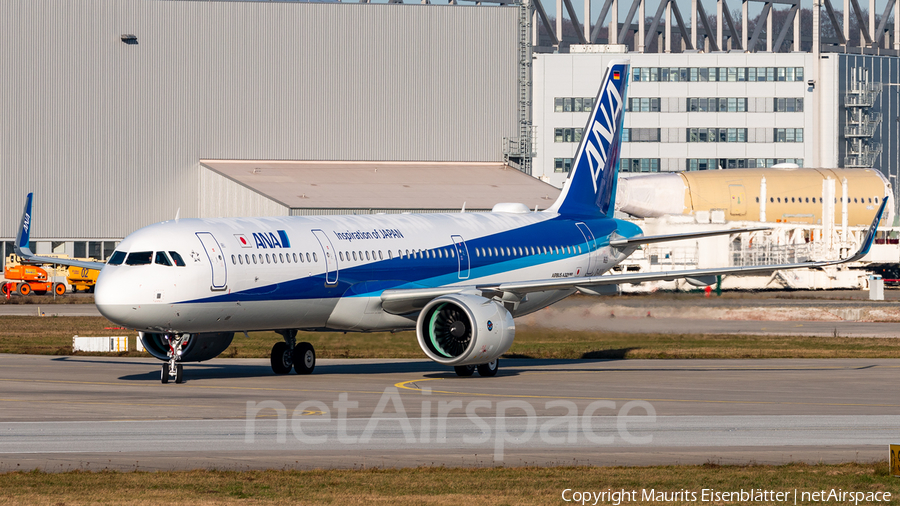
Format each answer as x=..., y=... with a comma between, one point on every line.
x=172, y=368
x=291, y=354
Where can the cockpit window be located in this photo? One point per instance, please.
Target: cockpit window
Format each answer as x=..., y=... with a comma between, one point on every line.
x=177, y=258
x=117, y=258
x=139, y=258
x=162, y=259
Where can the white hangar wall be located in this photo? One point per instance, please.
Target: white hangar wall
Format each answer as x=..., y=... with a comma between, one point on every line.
x=109, y=135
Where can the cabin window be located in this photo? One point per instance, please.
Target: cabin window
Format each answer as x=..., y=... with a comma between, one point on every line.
x=390, y=255
x=268, y=260
x=254, y=259
x=240, y=260
x=281, y=257
x=876, y=200
x=315, y=258
x=162, y=259
x=354, y=256
x=367, y=255
x=379, y=255
x=452, y=253
x=233, y=260
x=307, y=257
x=139, y=258
x=117, y=258
x=288, y=258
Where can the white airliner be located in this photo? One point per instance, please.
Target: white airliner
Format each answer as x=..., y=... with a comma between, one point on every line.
x=458, y=279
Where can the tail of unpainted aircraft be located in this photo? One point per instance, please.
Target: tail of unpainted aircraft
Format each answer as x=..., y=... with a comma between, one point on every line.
x=591, y=188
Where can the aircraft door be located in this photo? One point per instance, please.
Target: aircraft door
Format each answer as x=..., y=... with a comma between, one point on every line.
x=330, y=256
x=738, y=199
x=591, y=248
x=462, y=254
x=216, y=260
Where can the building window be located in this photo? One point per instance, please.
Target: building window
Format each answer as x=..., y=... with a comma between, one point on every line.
x=717, y=104
x=788, y=135
x=788, y=104
x=717, y=134
x=639, y=165
x=644, y=104
x=714, y=74
x=573, y=104
x=567, y=134
x=563, y=165
x=640, y=134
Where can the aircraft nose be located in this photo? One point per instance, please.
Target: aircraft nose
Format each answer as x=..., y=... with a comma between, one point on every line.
x=108, y=299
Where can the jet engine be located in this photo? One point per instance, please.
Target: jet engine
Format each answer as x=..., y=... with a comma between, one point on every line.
x=463, y=329
x=197, y=348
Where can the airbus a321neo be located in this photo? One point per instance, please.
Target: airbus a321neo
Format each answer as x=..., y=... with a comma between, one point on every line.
x=459, y=280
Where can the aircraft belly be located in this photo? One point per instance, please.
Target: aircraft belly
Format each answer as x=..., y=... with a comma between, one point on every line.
x=222, y=316
x=365, y=314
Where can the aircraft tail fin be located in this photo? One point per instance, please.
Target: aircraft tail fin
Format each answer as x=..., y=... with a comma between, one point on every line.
x=591, y=187
x=24, y=233
x=23, y=236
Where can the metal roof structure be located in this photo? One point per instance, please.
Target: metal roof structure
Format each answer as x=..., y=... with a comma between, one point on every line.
x=302, y=186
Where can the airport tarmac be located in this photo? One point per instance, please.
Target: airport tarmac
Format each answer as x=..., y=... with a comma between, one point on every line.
x=62, y=413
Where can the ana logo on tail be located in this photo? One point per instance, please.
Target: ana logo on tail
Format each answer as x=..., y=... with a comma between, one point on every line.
x=600, y=135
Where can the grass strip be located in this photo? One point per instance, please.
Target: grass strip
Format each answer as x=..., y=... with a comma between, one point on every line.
x=436, y=486
x=53, y=336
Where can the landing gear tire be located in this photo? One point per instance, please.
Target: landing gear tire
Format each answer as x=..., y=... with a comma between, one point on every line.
x=489, y=369
x=304, y=358
x=464, y=370
x=179, y=373
x=164, y=375
x=282, y=359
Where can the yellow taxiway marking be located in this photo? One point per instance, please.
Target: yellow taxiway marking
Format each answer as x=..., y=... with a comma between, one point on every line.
x=406, y=386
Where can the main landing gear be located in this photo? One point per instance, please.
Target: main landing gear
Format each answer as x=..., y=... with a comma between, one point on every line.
x=291, y=354
x=487, y=370
x=173, y=369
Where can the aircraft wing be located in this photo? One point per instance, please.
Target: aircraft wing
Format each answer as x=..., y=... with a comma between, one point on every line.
x=22, y=249
x=703, y=275
x=648, y=239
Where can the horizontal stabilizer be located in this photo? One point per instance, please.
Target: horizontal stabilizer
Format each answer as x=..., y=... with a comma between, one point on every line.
x=648, y=239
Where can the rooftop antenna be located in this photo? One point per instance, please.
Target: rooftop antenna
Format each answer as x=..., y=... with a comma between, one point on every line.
x=177, y=214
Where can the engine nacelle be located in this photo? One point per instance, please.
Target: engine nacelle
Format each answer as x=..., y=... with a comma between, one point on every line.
x=462, y=329
x=197, y=348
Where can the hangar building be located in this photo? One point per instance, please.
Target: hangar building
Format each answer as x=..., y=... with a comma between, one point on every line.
x=122, y=113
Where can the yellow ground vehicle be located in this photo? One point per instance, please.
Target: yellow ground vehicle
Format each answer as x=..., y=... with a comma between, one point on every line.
x=82, y=279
